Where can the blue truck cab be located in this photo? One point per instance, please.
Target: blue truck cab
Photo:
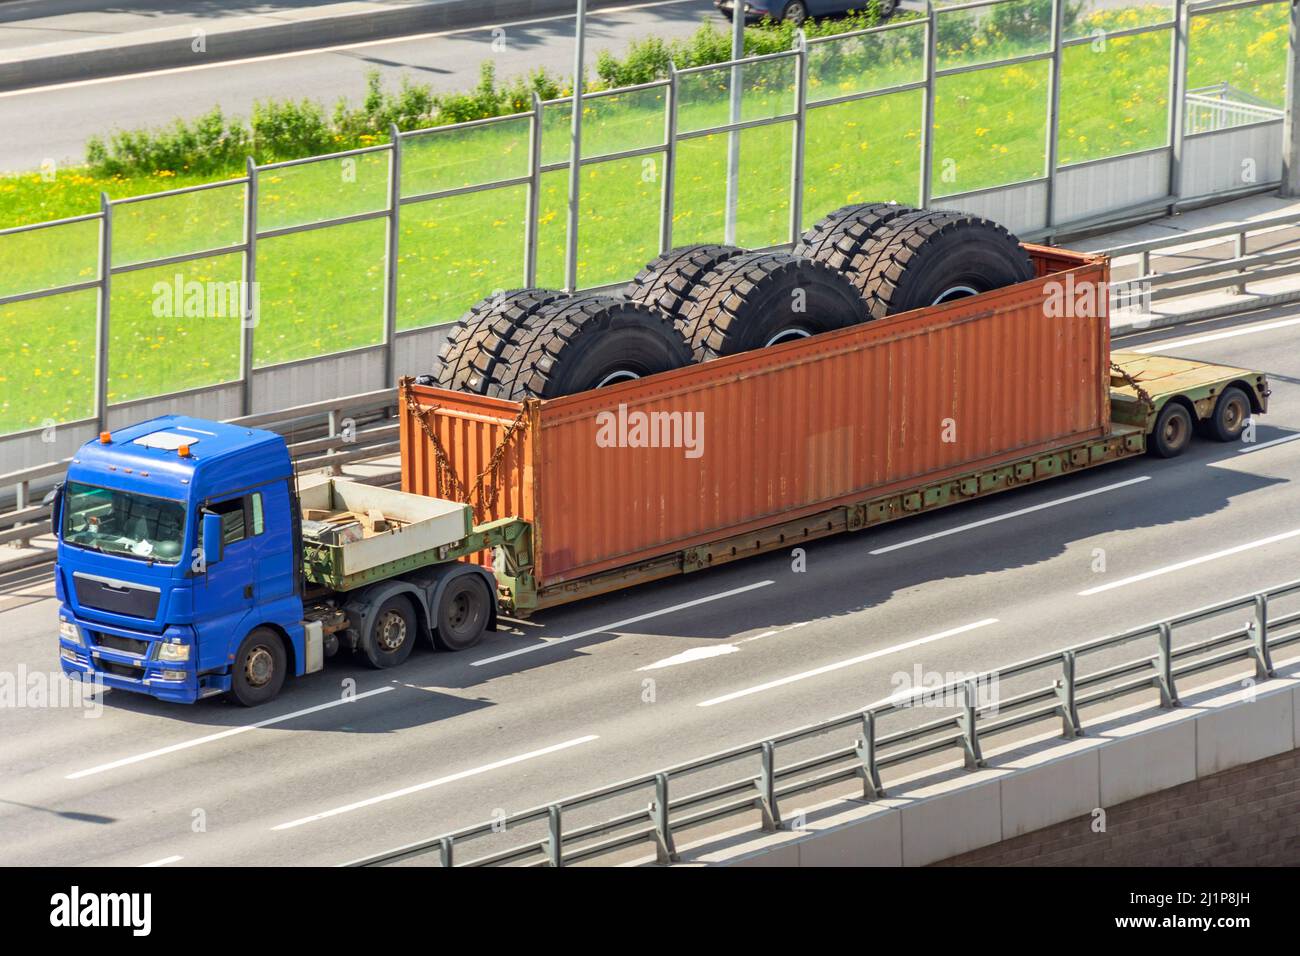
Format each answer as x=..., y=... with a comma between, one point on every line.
x=181, y=570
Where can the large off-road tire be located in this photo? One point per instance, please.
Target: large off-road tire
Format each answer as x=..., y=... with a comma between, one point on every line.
x=588, y=341
x=927, y=258
x=468, y=359
x=257, y=672
x=847, y=232
x=666, y=281
x=766, y=298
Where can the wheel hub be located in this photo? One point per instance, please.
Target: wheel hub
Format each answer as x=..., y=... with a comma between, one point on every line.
x=259, y=666
x=391, y=631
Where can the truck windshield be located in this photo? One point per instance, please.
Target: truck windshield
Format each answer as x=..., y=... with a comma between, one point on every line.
x=119, y=522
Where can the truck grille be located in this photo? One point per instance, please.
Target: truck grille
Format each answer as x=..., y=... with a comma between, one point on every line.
x=119, y=597
x=128, y=644
x=132, y=671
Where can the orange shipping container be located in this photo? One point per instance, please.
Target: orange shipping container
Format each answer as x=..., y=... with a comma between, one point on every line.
x=626, y=474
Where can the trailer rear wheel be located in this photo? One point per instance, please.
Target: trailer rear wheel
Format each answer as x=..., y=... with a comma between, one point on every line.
x=666, y=281
x=259, y=667
x=392, y=633
x=468, y=360
x=1173, y=431
x=766, y=298
x=839, y=236
x=1229, y=417
x=932, y=257
x=588, y=341
x=464, y=610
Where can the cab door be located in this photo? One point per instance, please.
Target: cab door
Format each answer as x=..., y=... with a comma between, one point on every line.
x=226, y=591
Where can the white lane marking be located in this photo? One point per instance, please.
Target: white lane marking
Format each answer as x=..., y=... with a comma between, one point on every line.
x=1216, y=336
x=482, y=28
x=221, y=735
x=623, y=623
x=1247, y=449
x=838, y=665
x=1226, y=552
x=1011, y=514
x=428, y=784
x=694, y=654
x=163, y=862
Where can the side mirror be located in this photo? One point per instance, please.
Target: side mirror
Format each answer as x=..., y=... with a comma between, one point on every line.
x=211, y=538
x=54, y=498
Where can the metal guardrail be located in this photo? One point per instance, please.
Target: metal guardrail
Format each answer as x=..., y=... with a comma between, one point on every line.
x=1068, y=690
x=342, y=441
x=1242, y=268
x=1223, y=106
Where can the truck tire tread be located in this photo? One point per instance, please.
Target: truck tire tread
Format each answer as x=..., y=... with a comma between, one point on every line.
x=667, y=280
x=469, y=357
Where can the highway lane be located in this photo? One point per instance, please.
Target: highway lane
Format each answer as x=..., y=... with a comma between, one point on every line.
x=451, y=742
x=55, y=122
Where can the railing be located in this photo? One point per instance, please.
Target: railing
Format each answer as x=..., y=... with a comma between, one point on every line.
x=515, y=158
x=1222, y=106
x=328, y=434
x=1069, y=688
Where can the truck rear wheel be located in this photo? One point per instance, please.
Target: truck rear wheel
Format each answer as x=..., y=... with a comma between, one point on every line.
x=259, y=667
x=929, y=258
x=468, y=359
x=766, y=298
x=588, y=341
x=666, y=281
x=839, y=236
x=392, y=633
x=1173, y=431
x=464, y=610
x=1229, y=417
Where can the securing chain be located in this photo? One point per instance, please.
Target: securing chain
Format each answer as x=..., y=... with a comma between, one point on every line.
x=1143, y=395
x=450, y=485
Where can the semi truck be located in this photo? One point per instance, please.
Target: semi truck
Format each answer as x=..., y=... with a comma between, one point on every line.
x=193, y=561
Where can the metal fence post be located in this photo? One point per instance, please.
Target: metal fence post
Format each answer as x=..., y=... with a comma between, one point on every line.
x=105, y=310
x=767, y=788
x=575, y=151
x=1065, y=693
x=927, y=106
x=555, y=831
x=665, y=851
x=866, y=748
x=969, y=732
x=1290, y=122
x=248, y=320
x=1165, y=666
x=733, y=137
x=1178, y=99
x=1259, y=635
x=1053, y=112
x=800, y=134
x=534, y=192
x=670, y=161
x=394, y=240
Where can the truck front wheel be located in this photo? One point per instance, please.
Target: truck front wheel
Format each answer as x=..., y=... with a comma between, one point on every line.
x=259, y=668
x=1173, y=431
x=463, y=613
x=391, y=635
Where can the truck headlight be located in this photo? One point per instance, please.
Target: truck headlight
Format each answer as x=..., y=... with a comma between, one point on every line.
x=174, y=652
x=69, y=630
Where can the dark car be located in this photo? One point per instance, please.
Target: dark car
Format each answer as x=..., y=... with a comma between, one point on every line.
x=797, y=11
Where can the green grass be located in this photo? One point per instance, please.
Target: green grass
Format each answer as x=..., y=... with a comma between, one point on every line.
x=323, y=290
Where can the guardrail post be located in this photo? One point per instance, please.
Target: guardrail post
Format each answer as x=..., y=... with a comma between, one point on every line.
x=394, y=239
x=20, y=502
x=665, y=851
x=1070, y=725
x=927, y=106
x=1239, y=250
x=534, y=192
x=1259, y=636
x=105, y=309
x=969, y=732
x=555, y=842
x=767, y=789
x=446, y=853
x=1165, y=666
x=800, y=134
x=248, y=318
x=670, y=161
x=866, y=748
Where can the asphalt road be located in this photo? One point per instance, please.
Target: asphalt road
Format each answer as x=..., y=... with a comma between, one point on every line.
x=54, y=122
x=734, y=654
